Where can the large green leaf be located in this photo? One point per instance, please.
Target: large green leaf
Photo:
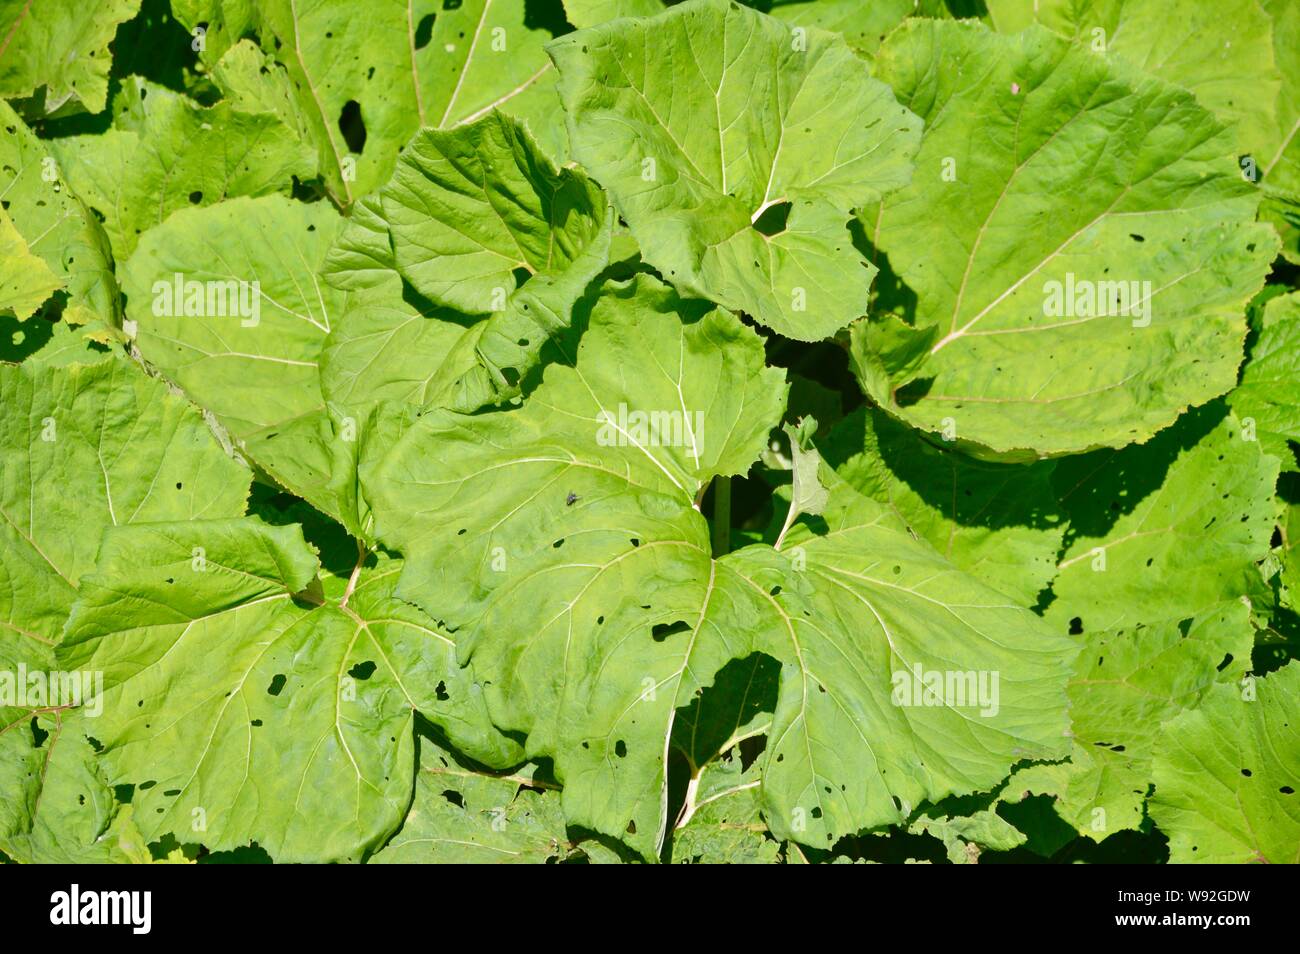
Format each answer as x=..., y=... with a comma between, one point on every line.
x=178, y=154
x=998, y=522
x=1126, y=684
x=470, y=216
x=256, y=367
x=1268, y=398
x=1163, y=530
x=81, y=449
x=468, y=208
x=52, y=224
x=245, y=707
x=86, y=448
x=394, y=68
x=562, y=544
x=60, y=808
x=710, y=120
x=1180, y=41
x=1227, y=775
x=1251, y=82
x=1079, y=239
x=62, y=45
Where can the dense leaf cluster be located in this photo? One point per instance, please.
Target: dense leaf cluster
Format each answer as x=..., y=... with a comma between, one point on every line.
x=624, y=431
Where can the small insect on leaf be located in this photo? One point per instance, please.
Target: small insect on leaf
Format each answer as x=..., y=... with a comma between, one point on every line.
x=571, y=499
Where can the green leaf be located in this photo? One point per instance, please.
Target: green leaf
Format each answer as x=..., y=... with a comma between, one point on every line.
x=87, y=448
x=561, y=543
x=1165, y=529
x=466, y=209
x=50, y=341
x=465, y=815
x=53, y=223
x=179, y=155
x=62, y=46
x=725, y=826
x=1126, y=684
x=1046, y=176
x=711, y=122
x=886, y=352
x=1267, y=401
x=297, y=734
x=251, y=356
x=61, y=809
x=81, y=449
x=469, y=217
x=398, y=68
x=251, y=81
x=998, y=522
x=1227, y=772
x=1181, y=42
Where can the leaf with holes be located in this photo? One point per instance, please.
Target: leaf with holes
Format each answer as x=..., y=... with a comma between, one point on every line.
x=736, y=149
x=562, y=544
x=1227, y=775
x=179, y=155
x=1077, y=237
x=81, y=449
x=65, y=247
x=469, y=217
x=1162, y=530
x=1268, y=398
x=60, y=49
x=998, y=522
x=364, y=84
x=246, y=706
x=1127, y=683
x=229, y=306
